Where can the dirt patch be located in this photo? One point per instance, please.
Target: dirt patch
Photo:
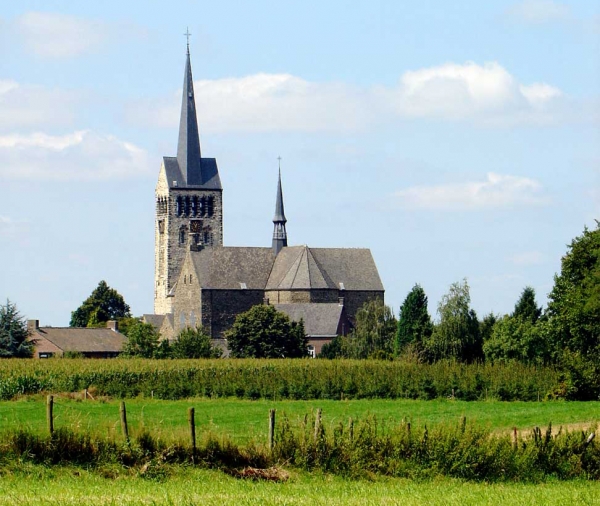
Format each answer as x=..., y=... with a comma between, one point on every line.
x=253, y=473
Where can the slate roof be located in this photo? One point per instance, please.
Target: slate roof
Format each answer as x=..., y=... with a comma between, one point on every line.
x=156, y=320
x=320, y=320
x=301, y=267
x=83, y=340
x=229, y=267
x=210, y=172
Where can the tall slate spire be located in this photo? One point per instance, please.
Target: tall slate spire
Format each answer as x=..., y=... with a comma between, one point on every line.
x=279, y=221
x=188, y=147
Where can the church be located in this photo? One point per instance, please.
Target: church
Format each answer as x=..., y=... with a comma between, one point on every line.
x=199, y=281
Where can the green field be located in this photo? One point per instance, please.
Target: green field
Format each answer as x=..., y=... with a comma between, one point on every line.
x=243, y=420
x=36, y=485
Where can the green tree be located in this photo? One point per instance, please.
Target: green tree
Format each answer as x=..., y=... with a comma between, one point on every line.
x=574, y=303
x=526, y=307
x=13, y=333
x=102, y=305
x=519, y=336
x=414, y=322
x=194, y=343
x=374, y=332
x=264, y=332
x=142, y=341
x=457, y=334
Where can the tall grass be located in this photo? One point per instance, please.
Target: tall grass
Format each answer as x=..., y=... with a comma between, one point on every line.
x=355, y=449
x=277, y=379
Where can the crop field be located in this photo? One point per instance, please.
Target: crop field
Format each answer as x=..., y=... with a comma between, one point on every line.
x=281, y=379
x=243, y=420
x=37, y=485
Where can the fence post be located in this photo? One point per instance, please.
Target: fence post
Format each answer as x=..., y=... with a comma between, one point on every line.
x=317, y=424
x=123, y=413
x=271, y=429
x=50, y=413
x=192, y=424
x=351, y=429
x=514, y=438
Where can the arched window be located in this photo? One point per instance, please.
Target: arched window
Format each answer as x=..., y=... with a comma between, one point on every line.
x=210, y=206
x=194, y=205
x=202, y=206
x=181, y=320
x=192, y=320
x=179, y=206
x=182, y=234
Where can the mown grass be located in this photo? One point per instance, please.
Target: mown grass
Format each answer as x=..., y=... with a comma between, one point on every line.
x=34, y=485
x=243, y=420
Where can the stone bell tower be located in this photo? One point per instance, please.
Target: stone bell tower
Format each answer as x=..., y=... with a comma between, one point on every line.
x=189, y=202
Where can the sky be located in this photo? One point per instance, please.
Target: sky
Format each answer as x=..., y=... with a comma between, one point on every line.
x=456, y=140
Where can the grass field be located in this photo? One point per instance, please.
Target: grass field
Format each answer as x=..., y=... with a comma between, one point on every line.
x=243, y=420
x=36, y=485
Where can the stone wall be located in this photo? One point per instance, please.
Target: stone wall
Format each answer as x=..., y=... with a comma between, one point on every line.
x=220, y=307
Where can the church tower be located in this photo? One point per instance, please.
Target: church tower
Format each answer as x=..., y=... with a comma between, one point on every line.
x=189, y=202
x=279, y=221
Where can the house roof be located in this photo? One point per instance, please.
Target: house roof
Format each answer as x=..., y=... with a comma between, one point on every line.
x=301, y=267
x=322, y=319
x=83, y=340
x=233, y=268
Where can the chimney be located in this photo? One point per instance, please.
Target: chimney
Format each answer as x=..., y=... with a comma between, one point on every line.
x=341, y=301
x=112, y=325
x=33, y=325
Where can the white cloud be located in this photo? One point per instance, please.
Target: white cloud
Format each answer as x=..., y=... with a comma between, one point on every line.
x=54, y=35
x=539, y=11
x=486, y=94
x=496, y=192
x=527, y=258
x=23, y=106
x=81, y=155
x=264, y=102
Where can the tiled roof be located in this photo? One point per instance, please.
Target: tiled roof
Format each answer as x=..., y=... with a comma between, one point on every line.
x=301, y=267
x=83, y=340
x=229, y=267
x=319, y=319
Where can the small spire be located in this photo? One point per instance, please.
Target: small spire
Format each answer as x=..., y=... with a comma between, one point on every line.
x=187, y=36
x=279, y=221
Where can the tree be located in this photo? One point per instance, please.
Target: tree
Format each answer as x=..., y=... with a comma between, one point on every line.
x=518, y=336
x=374, y=332
x=526, y=308
x=457, y=334
x=142, y=341
x=264, y=332
x=414, y=322
x=102, y=305
x=574, y=303
x=13, y=333
x=194, y=343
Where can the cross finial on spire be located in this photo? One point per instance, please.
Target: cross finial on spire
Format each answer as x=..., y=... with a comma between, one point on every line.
x=187, y=36
x=279, y=158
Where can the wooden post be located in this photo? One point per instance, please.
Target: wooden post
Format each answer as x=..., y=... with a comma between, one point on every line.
x=317, y=424
x=271, y=429
x=85, y=394
x=192, y=424
x=123, y=413
x=514, y=438
x=463, y=424
x=351, y=429
x=50, y=413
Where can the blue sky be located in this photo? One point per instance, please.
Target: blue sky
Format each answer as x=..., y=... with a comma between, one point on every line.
x=456, y=140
